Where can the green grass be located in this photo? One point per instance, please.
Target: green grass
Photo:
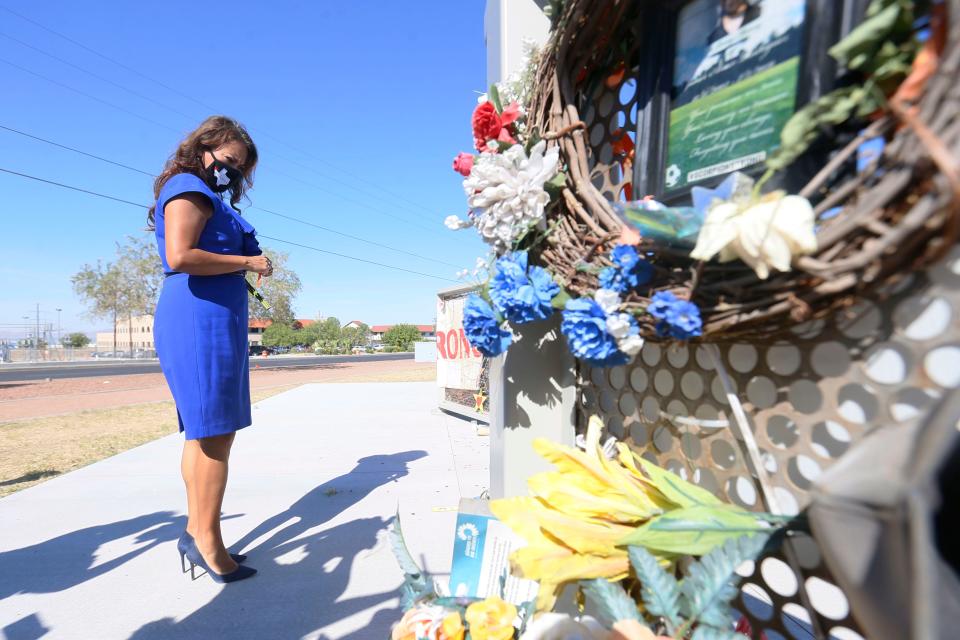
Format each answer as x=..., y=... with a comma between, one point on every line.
x=751, y=112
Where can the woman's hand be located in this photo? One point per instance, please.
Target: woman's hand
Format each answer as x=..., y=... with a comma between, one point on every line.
x=259, y=264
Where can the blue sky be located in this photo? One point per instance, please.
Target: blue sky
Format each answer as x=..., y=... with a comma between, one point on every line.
x=357, y=109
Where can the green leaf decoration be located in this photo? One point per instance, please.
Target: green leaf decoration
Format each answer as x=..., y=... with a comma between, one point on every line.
x=881, y=49
x=494, y=96
x=674, y=488
x=694, y=530
x=804, y=126
x=560, y=300
x=712, y=633
x=555, y=185
x=660, y=590
x=416, y=583
x=711, y=582
x=856, y=50
x=611, y=600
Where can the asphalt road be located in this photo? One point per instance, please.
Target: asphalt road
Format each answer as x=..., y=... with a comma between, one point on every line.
x=15, y=372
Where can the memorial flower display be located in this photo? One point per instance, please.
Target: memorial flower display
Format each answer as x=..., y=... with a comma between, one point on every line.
x=553, y=190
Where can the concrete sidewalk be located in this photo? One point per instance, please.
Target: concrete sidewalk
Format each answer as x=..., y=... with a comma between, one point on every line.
x=313, y=484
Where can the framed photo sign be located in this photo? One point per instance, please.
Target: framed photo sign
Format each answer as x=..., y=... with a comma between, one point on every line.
x=720, y=78
x=735, y=75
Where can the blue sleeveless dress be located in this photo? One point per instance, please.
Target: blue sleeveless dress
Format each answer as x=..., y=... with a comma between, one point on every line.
x=200, y=326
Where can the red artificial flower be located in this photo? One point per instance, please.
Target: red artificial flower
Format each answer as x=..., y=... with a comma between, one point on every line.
x=463, y=164
x=510, y=115
x=486, y=125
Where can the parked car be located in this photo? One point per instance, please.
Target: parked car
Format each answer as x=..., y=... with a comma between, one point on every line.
x=259, y=350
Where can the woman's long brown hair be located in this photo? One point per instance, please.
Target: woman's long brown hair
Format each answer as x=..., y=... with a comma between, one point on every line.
x=188, y=158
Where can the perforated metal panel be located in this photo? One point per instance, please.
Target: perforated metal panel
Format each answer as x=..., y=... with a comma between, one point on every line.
x=809, y=398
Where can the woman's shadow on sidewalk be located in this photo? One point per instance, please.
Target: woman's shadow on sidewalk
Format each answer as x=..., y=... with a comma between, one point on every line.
x=303, y=576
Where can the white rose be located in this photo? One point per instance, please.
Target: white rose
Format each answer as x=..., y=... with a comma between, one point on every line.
x=765, y=235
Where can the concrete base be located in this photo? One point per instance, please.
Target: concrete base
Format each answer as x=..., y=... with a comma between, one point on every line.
x=532, y=395
x=313, y=484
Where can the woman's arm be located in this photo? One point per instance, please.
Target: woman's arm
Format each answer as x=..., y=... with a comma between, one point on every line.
x=185, y=217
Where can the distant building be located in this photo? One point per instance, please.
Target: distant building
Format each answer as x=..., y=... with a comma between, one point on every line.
x=133, y=335
x=354, y=324
x=138, y=335
x=427, y=332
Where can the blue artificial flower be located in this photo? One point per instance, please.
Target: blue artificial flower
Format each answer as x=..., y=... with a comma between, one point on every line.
x=685, y=321
x=482, y=327
x=629, y=270
x=678, y=318
x=522, y=294
x=625, y=256
x=585, y=327
x=660, y=304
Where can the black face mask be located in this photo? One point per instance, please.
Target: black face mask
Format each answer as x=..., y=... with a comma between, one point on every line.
x=222, y=176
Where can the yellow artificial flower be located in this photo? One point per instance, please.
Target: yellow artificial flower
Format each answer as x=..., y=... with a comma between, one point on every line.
x=491, y=619
x=451, y=628
x=579, y=520
x=576, y=517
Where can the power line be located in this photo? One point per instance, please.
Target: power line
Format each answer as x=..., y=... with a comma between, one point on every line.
x=67, y=186
x=150, y=120
x=203, y=104
x=189, y=117
x=379, y=264
x=276, y=213
x=83, y=153
x=353, y=237
x=97, y=76
x=87, y=95
x=142, y=206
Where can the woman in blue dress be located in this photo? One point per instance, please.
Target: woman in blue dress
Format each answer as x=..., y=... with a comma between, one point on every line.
x=200, y=327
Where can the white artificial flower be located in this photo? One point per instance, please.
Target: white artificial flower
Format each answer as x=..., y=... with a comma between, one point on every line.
x=630, y=344
x=506, y=192
x=455, y=223
x=463, y=273
x=765, y=235
x=608, y=299
x=618, y=325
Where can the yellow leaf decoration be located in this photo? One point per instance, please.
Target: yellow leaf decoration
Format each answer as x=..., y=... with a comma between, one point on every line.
x=580, y=519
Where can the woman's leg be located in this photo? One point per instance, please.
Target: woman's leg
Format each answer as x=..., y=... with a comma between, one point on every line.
x=209, y=482
x=188, y=463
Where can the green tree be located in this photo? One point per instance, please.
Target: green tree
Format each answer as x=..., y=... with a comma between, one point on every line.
x=356, y=336
x=139, y=269
x=402, y=336
x=76, y=340
x=279, y=290
x=102, y=288
x=279, y=335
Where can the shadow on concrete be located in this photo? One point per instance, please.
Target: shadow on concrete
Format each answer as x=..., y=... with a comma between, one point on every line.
x=26, y=628
x=28, y=570
x=304, y=575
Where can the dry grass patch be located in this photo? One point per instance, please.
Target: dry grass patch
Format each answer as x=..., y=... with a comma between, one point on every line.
x=34, y=450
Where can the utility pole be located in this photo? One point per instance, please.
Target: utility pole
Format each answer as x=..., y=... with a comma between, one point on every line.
x=59, y=339
x=37, y=344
